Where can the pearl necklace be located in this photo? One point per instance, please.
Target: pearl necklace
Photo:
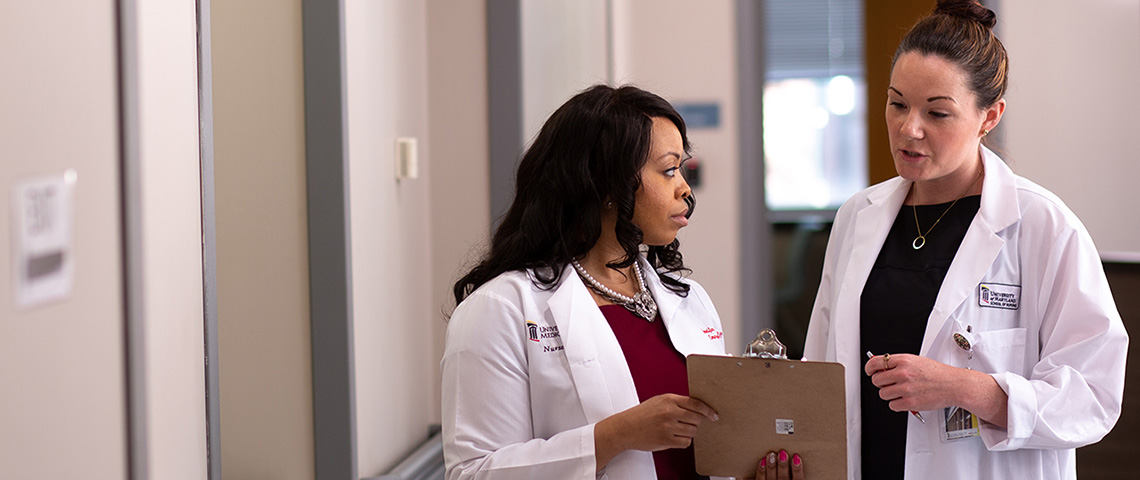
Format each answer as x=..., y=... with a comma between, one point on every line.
x=641, y=304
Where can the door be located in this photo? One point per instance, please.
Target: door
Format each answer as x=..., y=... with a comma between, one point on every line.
x=63, y=410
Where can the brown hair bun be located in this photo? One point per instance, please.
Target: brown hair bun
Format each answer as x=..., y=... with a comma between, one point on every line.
x=968, y=9
x=961, y=31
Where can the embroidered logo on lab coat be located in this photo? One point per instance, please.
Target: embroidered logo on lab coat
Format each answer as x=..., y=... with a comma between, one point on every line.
x=997, y=295
x=544, y=334
x=532, y=331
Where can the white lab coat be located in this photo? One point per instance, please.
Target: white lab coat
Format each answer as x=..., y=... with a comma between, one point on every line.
x=528, y=372
x=1059, y=356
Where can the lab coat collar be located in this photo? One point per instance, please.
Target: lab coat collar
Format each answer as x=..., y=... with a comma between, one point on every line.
x=999, y=193
x=999, y=210
x=589, y=343
x=1000, y=207
x=681, y=328
x=980, y=247
x=667, y=301
x=872, y=223
x=573, y=293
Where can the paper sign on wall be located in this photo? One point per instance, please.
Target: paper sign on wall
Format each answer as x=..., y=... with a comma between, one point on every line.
x=42, y=224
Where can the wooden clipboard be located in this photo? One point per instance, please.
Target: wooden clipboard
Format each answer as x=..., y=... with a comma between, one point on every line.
x=767, y=405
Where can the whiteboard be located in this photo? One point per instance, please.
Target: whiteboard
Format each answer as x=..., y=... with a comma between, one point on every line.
x=1072, y=122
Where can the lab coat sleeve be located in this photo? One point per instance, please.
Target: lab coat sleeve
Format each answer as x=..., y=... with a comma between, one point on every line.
x=819, y=325
x=488, y=430
x=1073, y=395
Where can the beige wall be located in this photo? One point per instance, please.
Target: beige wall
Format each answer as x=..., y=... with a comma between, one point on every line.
x=171, y=224
x=414, y=69
x=386, y=90
x=262, y=243
x=564, y=51
x=684, y=61
x=686, y=52
x=63, y=406
x=65, y=411
x=1070, y=124
x=459, y=180
x=407, y=249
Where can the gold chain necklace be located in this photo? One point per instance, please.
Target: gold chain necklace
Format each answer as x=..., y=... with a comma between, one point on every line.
x=920, y=240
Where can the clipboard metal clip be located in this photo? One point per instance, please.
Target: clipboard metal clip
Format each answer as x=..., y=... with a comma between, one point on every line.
x=766, y=345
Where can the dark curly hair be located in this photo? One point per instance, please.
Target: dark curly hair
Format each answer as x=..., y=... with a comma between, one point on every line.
x=589, y=151
x=961, y=31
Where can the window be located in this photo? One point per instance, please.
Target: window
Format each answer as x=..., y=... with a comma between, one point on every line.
x=814, y=104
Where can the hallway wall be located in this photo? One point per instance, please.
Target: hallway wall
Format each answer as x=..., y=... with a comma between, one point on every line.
x=170, y=222
x=62, y=364
x=459, y=179
x=107, y=379
x=406, y=245
x=262, y=241
x=694, y=61
x=1071, y=109
x=387, y=98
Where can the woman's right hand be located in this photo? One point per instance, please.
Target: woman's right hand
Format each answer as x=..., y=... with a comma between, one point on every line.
x=779, y=467
x=662, y=422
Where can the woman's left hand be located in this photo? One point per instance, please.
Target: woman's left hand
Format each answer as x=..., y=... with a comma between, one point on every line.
x=911, y=382
x=780, y=467
x=916, y=383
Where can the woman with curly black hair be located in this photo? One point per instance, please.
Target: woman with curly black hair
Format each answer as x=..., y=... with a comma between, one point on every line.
x=565, y=357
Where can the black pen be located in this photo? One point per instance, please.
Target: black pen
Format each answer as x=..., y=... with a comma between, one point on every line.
x=912, y=412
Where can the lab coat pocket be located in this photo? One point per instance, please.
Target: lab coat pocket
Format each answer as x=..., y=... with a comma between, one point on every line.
x=998, y=351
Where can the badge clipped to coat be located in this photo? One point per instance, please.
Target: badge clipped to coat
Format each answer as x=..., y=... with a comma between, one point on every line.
x=958, y=423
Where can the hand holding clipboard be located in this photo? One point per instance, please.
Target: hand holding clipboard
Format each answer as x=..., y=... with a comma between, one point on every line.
x=767, y=404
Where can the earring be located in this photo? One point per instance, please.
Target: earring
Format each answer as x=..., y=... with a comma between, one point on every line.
x=985, y=132
x=609, y=204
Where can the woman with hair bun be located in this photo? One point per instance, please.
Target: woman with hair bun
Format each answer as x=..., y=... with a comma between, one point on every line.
x=565, y=357
x=968, y=304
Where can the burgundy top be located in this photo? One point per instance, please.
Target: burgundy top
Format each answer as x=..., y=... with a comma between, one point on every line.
x=657, y=368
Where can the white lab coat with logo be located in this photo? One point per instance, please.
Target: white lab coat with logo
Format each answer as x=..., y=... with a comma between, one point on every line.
x=1059, y=355
x=528, y=372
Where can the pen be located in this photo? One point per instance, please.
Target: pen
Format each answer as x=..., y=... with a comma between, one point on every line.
x=912, y=412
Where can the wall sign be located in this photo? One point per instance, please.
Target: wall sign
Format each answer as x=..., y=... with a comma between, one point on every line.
x=42, y=224
x=699, y=115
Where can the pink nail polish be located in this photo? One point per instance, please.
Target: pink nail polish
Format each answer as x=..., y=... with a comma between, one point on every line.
x=763, y=461
x=783, y=456
x=796, y=460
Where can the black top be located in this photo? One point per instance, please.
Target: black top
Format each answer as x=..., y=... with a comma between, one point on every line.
x=894, y=309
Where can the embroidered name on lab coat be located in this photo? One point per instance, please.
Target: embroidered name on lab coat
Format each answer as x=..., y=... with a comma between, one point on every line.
x=997, y=295
x=546, y=332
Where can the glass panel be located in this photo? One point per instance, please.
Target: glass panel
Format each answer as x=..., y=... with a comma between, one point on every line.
x=814, y=104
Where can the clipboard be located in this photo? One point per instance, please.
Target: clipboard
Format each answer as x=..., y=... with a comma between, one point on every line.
x=765, y=405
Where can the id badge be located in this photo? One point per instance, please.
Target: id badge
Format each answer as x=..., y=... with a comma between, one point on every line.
x=958, y=424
